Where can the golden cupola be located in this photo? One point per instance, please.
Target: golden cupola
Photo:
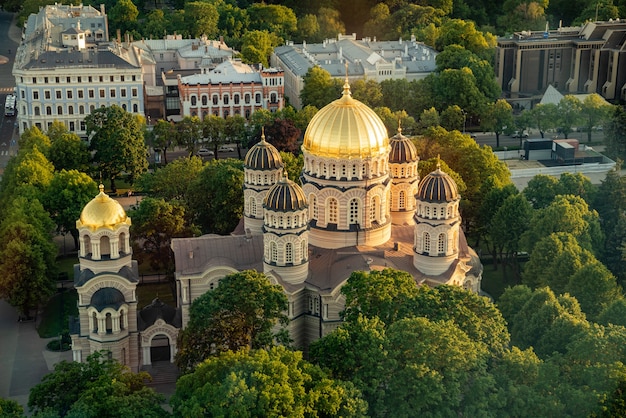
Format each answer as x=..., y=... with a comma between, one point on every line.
x=346, y=129
x=102, y=212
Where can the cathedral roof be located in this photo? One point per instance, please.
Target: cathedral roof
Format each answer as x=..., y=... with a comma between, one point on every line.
x=437, y=187
x=263, y=156
x=402, y=149
x=285, y=196
x=346, y=128
x=102, y=211
x=107, y=297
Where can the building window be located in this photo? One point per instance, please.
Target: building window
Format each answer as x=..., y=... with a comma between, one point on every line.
x=48, y=110
x=313, y=206
x=273, y=252
x=441, y=244
x=135, y=108
x=332, y=210
x=37, y=112
x=225, y=99
x=258, y=98
x=215, y=99
x=305, y=251
x=70, y=110
x=193, y=101
x=236, y=99
x=252, y=207
x=273, y=98
x=401, y=201
x=91, y=93
x=205, y=100
x=247, y=98
x=47, y=94
x=426, y=242
x=353, y=216
x=123, y=92
x=134, y=92
x=102, y=94
x=81, y=110
x=72, y=126
x=374, y=209
x=112, y=92
x=289, y=253
x=35, y=95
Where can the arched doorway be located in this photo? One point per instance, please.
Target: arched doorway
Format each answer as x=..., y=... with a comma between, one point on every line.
x=160, y=349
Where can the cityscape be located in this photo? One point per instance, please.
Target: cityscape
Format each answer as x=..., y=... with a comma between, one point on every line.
x=367, y=208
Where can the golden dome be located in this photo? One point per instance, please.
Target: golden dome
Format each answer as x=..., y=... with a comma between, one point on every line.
x=102, y=211
x=263, y=156
x=402, y=149
x=346, y=128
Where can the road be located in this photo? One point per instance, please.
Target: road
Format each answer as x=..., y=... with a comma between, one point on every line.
x=7, y=83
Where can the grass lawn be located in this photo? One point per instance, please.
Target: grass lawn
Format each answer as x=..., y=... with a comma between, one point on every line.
x=56, y=312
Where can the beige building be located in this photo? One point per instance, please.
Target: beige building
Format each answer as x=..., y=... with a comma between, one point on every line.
x=361, y=206
x=573, y=60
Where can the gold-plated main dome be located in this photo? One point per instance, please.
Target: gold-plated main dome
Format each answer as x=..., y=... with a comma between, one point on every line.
x=102, y=211
x=346, y=128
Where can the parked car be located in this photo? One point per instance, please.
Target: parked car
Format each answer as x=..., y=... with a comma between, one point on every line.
x=225, y=148
x=520, y=134
x=203, y=152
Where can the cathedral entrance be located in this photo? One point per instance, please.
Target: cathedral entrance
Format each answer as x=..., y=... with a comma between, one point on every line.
x=160, y=349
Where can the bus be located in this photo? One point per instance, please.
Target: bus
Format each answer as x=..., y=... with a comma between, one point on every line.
x=9, y=105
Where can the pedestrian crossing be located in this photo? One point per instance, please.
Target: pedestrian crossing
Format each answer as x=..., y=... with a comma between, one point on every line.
x=4, y=152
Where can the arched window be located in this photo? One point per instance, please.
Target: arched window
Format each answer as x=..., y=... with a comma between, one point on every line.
x=353, y=216
x=225, y=99
x=94, y=320
x=426, y=241
x=332, y=208
x=215, y=99
x=375, y=209
x=252, y=207
x=37, y=112
x=236, y=99
x=48, y=110
x=289, y=253
x=193, y=101
x=441, y=244
x=122, y=313
x=304, y=251
x=273, y=252
x=135, y=108
x=247, y=98
x=401, y=200
x=273, y=98
x=59, y=110
x=205, y=100
x=442, y=213
x=109, y=323
x=313, y=206
x=257, y=98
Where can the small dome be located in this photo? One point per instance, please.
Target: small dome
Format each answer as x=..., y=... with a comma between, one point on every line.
x=285, y=196
x=102, y=211
x=346, y=128
x=263, y=156
x=107, y=297
x=402, y=150
x=437, y=187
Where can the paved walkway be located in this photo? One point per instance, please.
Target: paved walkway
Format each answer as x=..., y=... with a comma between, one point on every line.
x=24, y=359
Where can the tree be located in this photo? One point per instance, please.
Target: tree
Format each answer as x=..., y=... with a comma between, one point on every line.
x=235, y=131
x=319, y=88
x=233, y=22
x=569, y=111
x=330, y=23
x=213, y=131
x=155, y=223
x=257, y=46
x=447, y=86
x=465, y=34
x=162, y=137
x=615, y=134
x=155, y=24
x=68, y=193
x=541, y=190
x=29, y=172
x=452, y=118
x=69, y=152
x=368, y=92
x=260, y=383
x=190, y=134
x=201, y=19
x=594, y=111
x=429, y=118
x=384, y=294
x=507, y=226
x=244, y=311
x=392, y=119
x=11, y=409
x=123, y=15
x=273, y=18
x=32, y=138
x=28, y=270
x=544, y=117
x=117, y=139
x=172, y=182
x=283, y=134
x=99, y=387
x=594, y=287
x=215, y=197
x=498, y=117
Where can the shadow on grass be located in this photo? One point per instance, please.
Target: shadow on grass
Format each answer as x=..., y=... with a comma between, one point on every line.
x=54, y=317
x=496, y=281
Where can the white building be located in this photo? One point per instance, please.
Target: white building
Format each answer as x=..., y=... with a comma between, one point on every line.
x=65, y=67
x=366, y=58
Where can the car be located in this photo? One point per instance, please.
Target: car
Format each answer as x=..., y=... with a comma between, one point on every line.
x=225, y=148
x=203, y=152
x=518, y=134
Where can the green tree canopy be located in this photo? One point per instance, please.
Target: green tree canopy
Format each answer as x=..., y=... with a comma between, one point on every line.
x=319, y=88
x=244, y=311
x=257, y=46
x=172, y=182
x=98, y=387
x=261, y=383
x=69, y=152
x=117, y=139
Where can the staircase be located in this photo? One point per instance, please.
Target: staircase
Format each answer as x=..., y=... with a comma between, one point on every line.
x=162, y=372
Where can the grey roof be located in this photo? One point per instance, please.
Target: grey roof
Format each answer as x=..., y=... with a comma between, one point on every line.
x=228, y=71
x=361, y=56
x=82, y=277
x=158, y=310
x=107, y=297
x=107, y=56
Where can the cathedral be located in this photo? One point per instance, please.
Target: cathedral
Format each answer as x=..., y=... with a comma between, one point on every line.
x=361, y=206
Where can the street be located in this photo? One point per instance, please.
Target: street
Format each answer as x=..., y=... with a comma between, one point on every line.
x=9, y=35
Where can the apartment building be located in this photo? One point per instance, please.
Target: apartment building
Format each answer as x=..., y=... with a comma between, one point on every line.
x=66, y=67
x=586, y=59
x=231, y=88
x=366, y=58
